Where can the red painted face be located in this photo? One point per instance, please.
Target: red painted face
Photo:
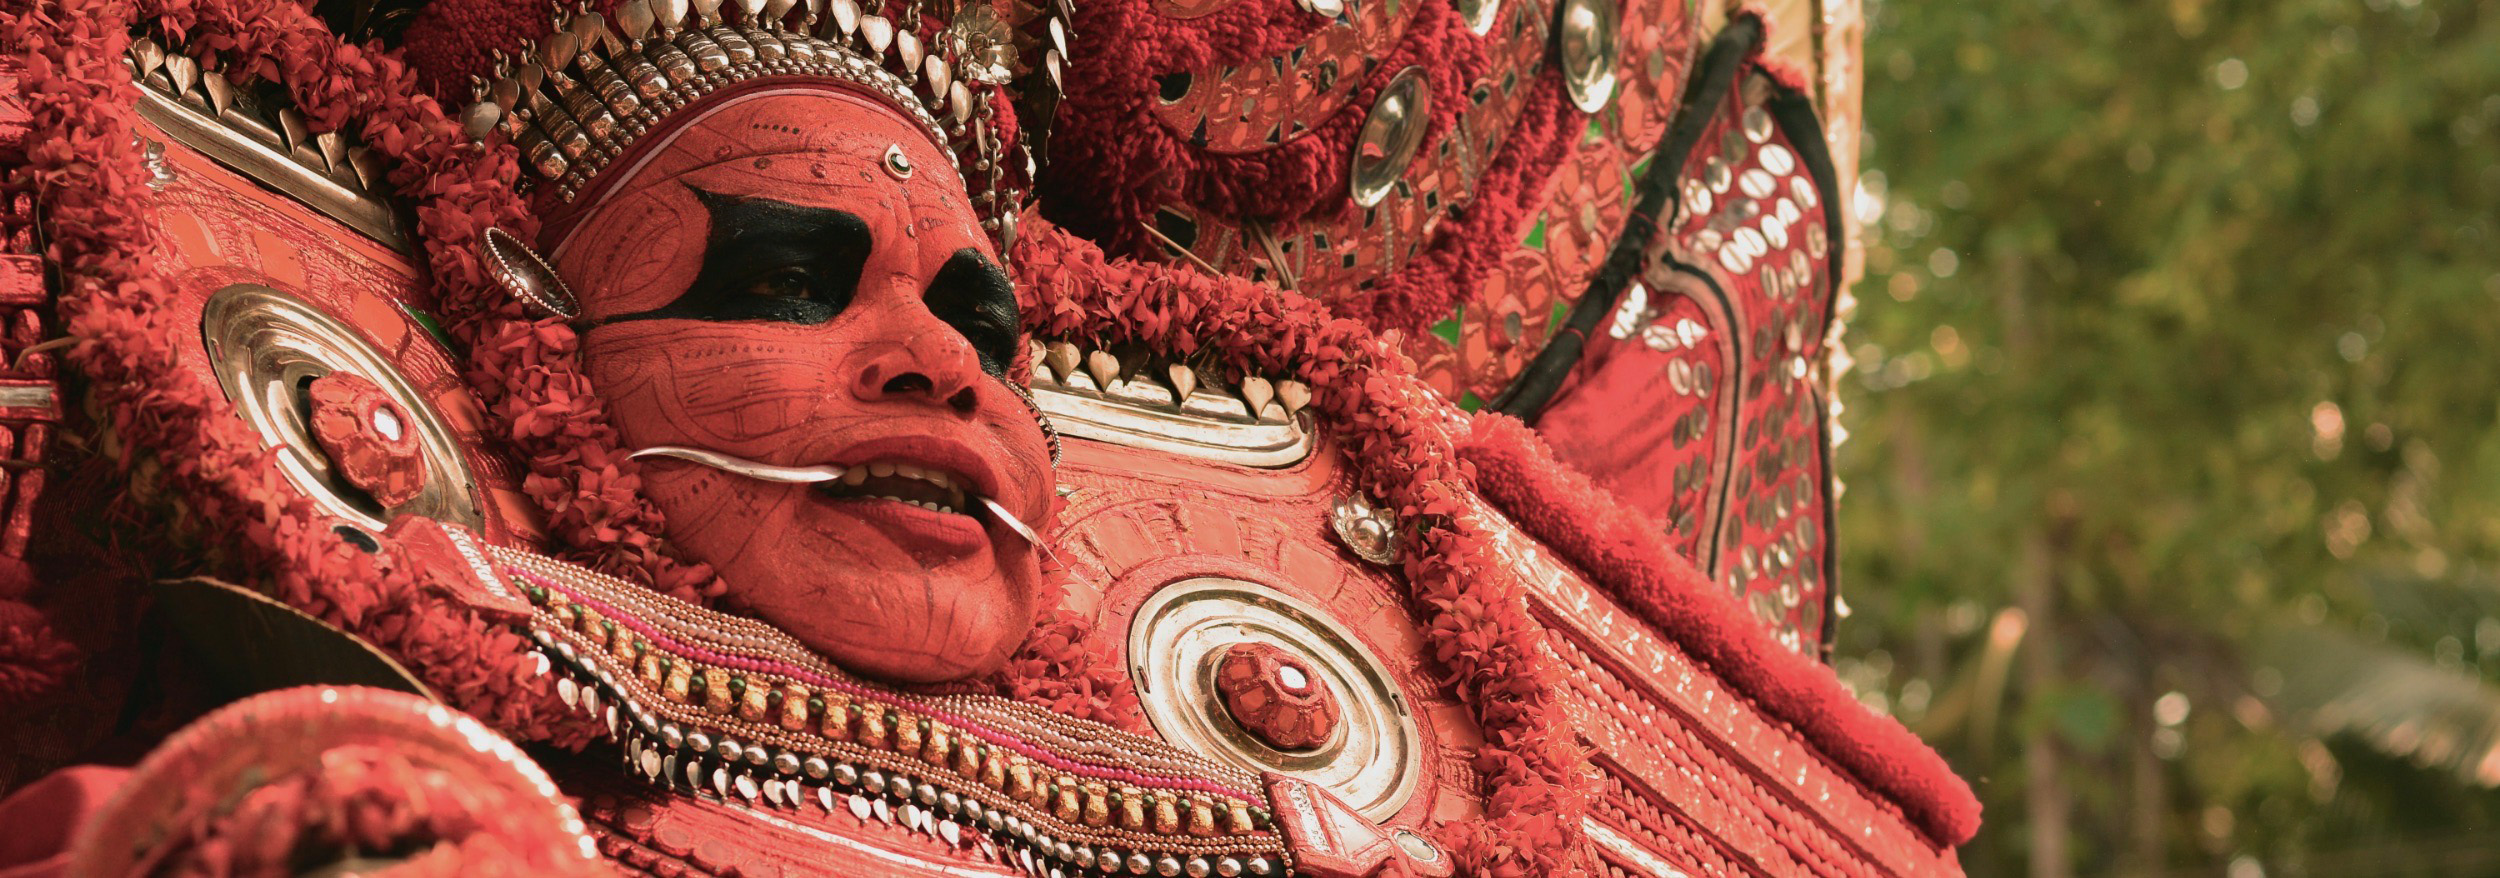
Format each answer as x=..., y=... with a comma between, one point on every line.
x=777, y=282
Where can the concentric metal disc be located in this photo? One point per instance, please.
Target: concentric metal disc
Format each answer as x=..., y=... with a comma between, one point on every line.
x=1375, y=759
x=267, y=346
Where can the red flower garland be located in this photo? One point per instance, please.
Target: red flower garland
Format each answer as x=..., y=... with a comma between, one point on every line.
x=1625, y=551
x=162, y=420
x=1537, y=787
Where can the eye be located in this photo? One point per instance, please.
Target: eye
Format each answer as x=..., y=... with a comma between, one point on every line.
x=791, y=282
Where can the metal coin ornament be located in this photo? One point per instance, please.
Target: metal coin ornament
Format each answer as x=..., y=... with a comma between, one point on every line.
x=1369, y=531
x=1586, y=44
x=526, y=275
x=1391, y=136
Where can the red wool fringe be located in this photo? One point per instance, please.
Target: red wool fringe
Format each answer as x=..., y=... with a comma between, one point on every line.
x=1537, y=783
x=1621, y=549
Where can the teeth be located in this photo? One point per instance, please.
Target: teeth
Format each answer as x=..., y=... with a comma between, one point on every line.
x=881, y=469
x=855, y=475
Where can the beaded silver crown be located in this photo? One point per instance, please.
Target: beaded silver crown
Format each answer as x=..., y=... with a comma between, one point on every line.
x=585, y=93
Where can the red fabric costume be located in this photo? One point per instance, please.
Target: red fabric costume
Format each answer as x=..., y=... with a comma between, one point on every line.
x=744, y=506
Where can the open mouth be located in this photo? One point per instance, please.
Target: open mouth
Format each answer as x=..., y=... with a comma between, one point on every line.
x=929, y=488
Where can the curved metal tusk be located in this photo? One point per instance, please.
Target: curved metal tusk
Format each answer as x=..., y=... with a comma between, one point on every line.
x=1011, y=521
x=800, y=475
x=803, y=475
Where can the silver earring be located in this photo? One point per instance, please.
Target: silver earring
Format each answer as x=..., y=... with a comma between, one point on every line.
x=526, y=275
x=1048, y=432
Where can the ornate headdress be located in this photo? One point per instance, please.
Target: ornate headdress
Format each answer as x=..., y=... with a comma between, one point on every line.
x=582, y=95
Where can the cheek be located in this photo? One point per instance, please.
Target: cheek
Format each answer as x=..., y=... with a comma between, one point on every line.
x=725, y=386
x=638, y=253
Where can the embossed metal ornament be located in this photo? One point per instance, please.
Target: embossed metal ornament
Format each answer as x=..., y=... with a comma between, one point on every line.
x=1586, y=43
x=268, y=347
x=985, y=47
x=1373, y=759
x=1479, y=14
x=1369, y=531
x=1391, y=136
x=526, y=275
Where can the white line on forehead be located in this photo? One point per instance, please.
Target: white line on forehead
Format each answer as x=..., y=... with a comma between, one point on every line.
x=653, y=150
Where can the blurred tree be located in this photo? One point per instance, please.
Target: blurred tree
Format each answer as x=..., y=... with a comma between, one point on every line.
x=2175, y=508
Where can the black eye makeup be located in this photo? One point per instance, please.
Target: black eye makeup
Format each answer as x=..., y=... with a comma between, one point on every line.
x=771, y=260
x=973, y=294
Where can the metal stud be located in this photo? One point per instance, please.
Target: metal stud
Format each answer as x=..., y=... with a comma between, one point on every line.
x=1757, y=183
x=1586, y=45
x=1777, y=159
x=1391, y=135
x=1757, y=123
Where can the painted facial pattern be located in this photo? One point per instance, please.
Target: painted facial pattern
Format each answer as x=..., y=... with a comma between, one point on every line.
x=769, y=284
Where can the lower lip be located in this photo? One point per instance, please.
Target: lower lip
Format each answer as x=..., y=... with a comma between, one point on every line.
x=916, y=528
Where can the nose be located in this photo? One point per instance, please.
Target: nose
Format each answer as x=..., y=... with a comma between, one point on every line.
x=933, y=366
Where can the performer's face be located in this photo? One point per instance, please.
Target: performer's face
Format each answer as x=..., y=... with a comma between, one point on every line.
x=769, y=284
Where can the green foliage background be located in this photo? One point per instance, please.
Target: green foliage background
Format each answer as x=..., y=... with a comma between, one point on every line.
x=2174, y=477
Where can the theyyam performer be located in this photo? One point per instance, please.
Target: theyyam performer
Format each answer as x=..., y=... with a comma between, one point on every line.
x=1145, y=437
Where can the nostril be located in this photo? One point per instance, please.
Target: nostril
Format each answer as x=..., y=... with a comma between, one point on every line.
x=963, y=401
x=908, y=382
